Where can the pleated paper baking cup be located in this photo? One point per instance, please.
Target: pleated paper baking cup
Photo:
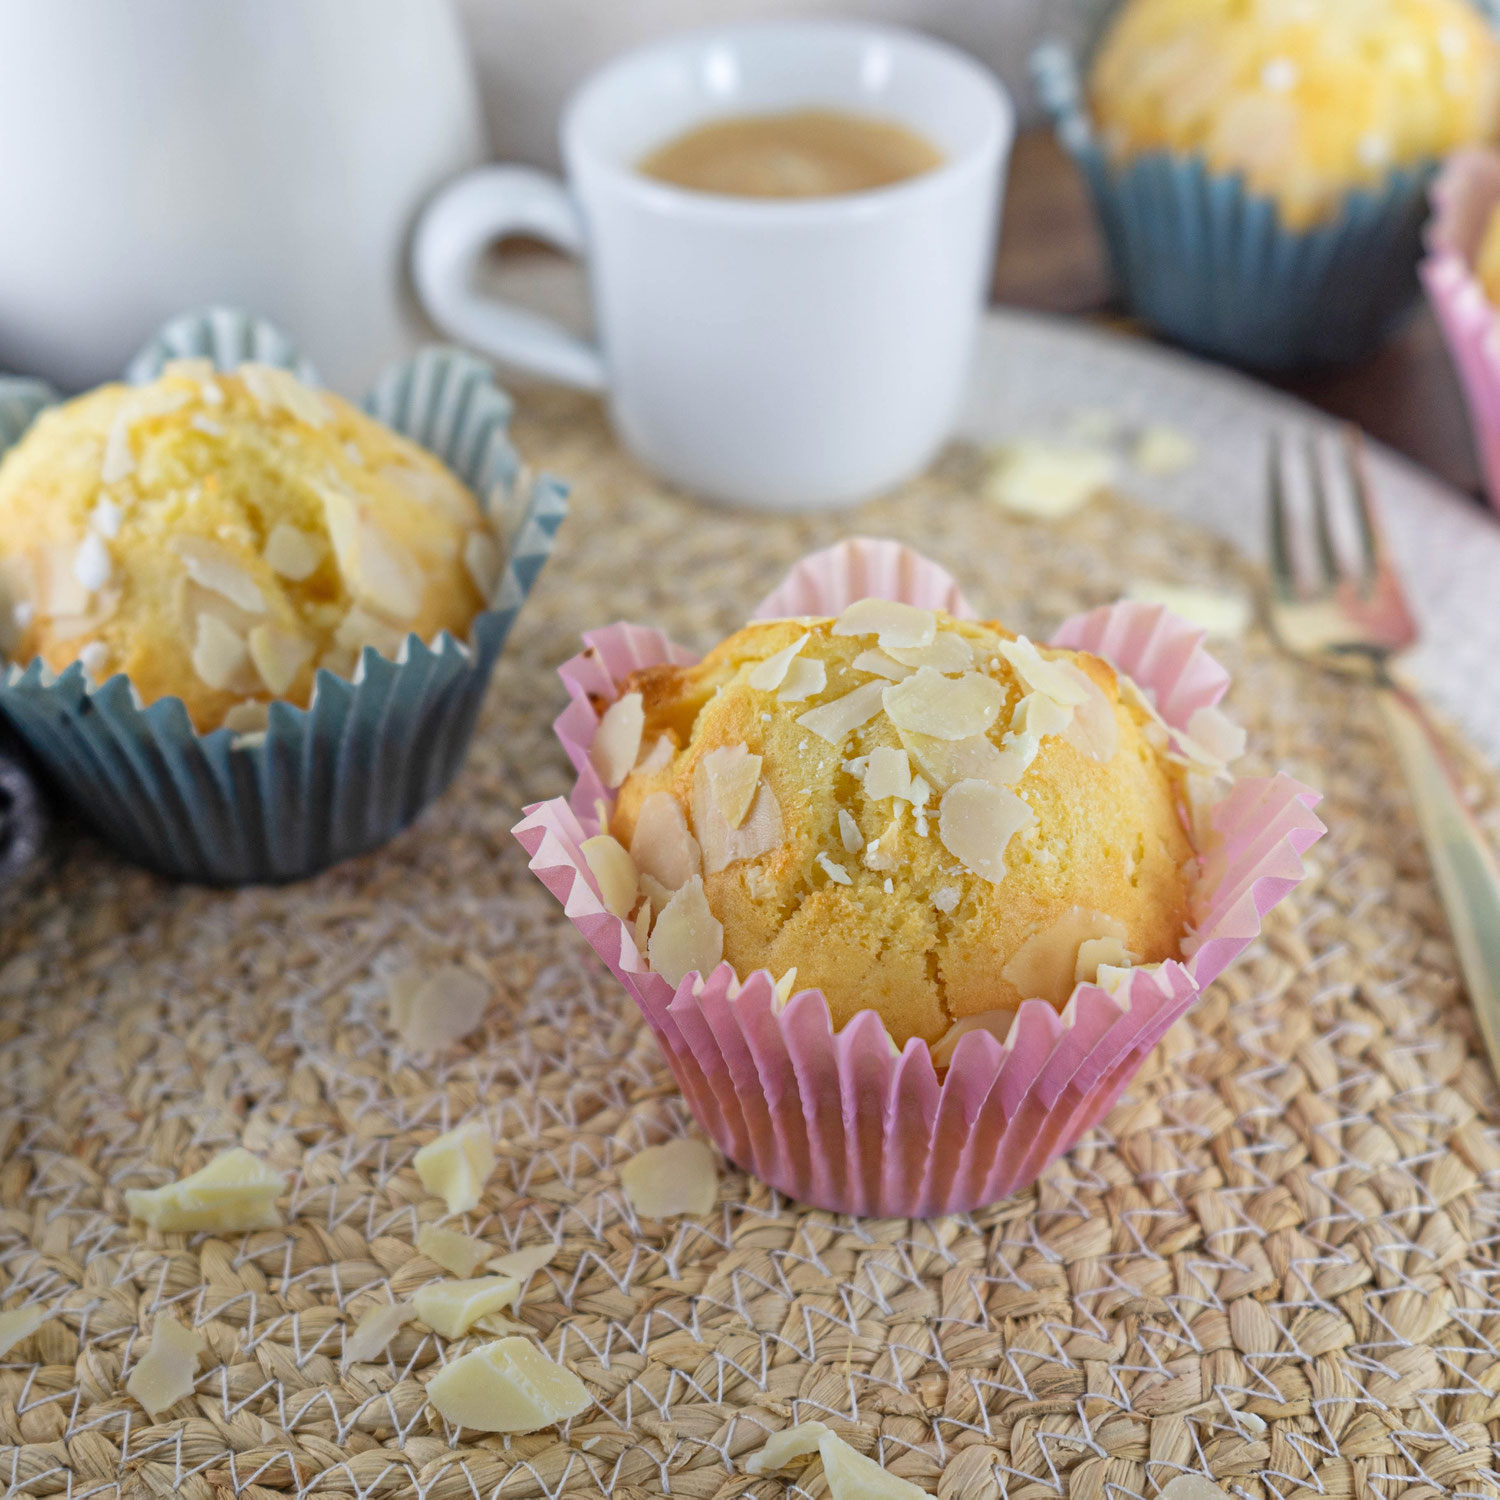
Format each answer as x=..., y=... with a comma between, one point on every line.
x=348, y=772
x=1210, y=264
x=1464, y=196
x=832, y=1118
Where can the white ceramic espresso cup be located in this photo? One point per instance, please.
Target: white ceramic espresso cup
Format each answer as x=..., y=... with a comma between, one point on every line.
x=782, y=353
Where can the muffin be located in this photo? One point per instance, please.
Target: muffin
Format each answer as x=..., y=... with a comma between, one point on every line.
x=928, y=817
x=219, y=537
x=1306, y=101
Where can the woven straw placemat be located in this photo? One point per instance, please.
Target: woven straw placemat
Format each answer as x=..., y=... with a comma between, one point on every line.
x=1274, y=1263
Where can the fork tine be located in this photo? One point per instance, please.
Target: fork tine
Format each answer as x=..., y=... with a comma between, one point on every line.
x=1322, y=527
x=1283, y=575
x=1371, y=543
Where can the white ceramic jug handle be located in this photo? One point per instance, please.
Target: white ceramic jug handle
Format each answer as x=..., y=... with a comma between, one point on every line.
x=454, y=230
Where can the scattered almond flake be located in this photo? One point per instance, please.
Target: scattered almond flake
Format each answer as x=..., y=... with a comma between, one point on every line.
x=617, y=741
x=1222, y=613
x=19, y=1323
x=892, y=623
x=642, y=932
x=656, y=893
x=945, y=763
x=949, y=652
x=852, y=1476
x=508, y=1386
x=451, y=1308
x=1092, y=728
x=996, y=1022
x=483, y=560
x=946, y=708
x=92, y=566
x=119, y=461
x=432, y=1012
x=456, y=1253
x=1042, y=968
x=219, y=654
x=614, y=872
x=805, y=678
x=523, y=1264
x=1107, y=952
x=502, y=1327
x=687, y=937
x=761, y=830
x=834, y=721
x=876, y=661
x=768, y=675
x=1217, y=734
x=733, y=776
x=292, y=552
x=1204, y=792
x=1192, y=1487
x=888, y=773
x=1040, y=674
x=1038, y=715
x=835, y=872
x=105, y=517
x=880, y=854
x=849, y=833
x=70, y=627
x=434, y=488
x=215, y=567
x=1163, y=450
x=656, y=760
x=95, y=658
x=59, y=592
x=278, y=654
x=376, y=1328
x=192, y=368
x=918, y=793
x=247, y=720
x=976, y=821
x=165, y=1373
x=456, y=1166
x=1112, y=979
x=378, y=569
x=677, y=1177
x=206, y=424
x=946, y=897
x=235, y=1191
x=784, y=987
x=1046, y=481
x=785, y=1447
x=276, y=389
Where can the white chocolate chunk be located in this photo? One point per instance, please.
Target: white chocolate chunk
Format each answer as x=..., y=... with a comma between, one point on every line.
x=893, y=624
x=377, y=1326
x=661, y=845
x=1162, y=450
x=220, y=656
x=834, y=871
x=687, y=936
x=278, y=654
x=523, y=1264
x=293, y=553
x=615, y=873
x=617, y=741
x=834, y=721
x=733, y=776
x=20, y=1323
x=458, y=1254
x=760, y=832
x=235, y=1191
x=1039, y=674
x=215, y=567
x=677, y=1177
x=1044, y=966
x=1107, y=952
x=785, y=1447
x=507, y=1386
x=849, y=834
x=1046, y=481
x=456, y=1166
x=483, y=560
x=1222, y=613
x=976, y=822
x=996, y=1022
x=379, y=570
x=768, y=675
x=92, y=565
x=852, y=1476
x=275, y=389
x=805, y=678
x=451, y=1308
x=888, y=773
x=949, y=652
x=431, y=1013
x=946, y=708
x=166, y=1371
x=875, y=660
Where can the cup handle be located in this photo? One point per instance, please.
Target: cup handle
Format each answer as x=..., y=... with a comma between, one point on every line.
x=454, y=229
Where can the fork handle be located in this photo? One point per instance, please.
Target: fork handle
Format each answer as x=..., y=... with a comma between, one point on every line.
x=1467, y=878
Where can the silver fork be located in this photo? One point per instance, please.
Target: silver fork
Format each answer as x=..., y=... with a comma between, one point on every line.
x=1353, y=618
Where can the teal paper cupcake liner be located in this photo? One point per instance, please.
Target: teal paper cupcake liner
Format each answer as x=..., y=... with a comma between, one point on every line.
x=348, y=772
x=1211, y=266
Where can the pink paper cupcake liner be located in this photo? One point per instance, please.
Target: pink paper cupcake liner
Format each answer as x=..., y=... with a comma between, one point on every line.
x=1463, y=197
x=832, y=1118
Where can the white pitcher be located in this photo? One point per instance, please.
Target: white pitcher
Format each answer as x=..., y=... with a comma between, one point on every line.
x=160, y=154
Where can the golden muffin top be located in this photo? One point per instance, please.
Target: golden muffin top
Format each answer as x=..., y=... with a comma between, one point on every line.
x=925, y=816
x=219, y=537
x=1306, y=98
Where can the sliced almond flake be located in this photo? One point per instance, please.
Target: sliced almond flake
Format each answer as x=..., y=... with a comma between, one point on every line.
x=524, y=1264
x=945, y=763
x=92, y=565
x=1192, y=1487
x=784, y=987
x=677, y=1177
x=996, y=1022
x=656, y=893
x=1042, y=968
x=892, y=623
x=852, y=839
x=1046, y=481
x=687, y=937
x=359, y=628
x=220, y=657
x=19, y=1323
x=1039, y=674
x=279, y=654
x=876, y=661
x=642, y=931
x=852, y=1476
x=215, y=567
x=785, y=1447
x=379, y=570
x=733, y=776
x=918, y=793
x=59, y=591
x=373, y=1333
x=761, y=832
x=249, y=717
x=508, y=1386
x=887, y=773
x=276, y=389
x=615, y=873
x=768, y=675
x=1094, y=953
x=483, y=560
x=502, y=1327
x=235, y=1191
x=946, y=708
x=118, y=461
x=617, y=741
x=656, y=760
x=661, y=845
x=976, y=822
x=458, y=1254
x=165, y=1373
x=451, y=1308
x=806, y=677
x=1093, y=729
x=834, y=871
x=431, y=1012
x=1216, y=738
x=293, y=553
x=949, y=652
x=835, y=721
x=1162, y=450
x=433, y=488
x=1222, y=613
x=94, y=658
x=1038, y=715
x=456, y=1165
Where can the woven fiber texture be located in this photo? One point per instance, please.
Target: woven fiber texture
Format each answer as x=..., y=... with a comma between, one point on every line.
x=1273, y=1263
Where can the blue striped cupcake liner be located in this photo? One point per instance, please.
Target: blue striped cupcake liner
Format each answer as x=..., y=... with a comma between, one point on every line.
x=1210, y=265
x=347, y=773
